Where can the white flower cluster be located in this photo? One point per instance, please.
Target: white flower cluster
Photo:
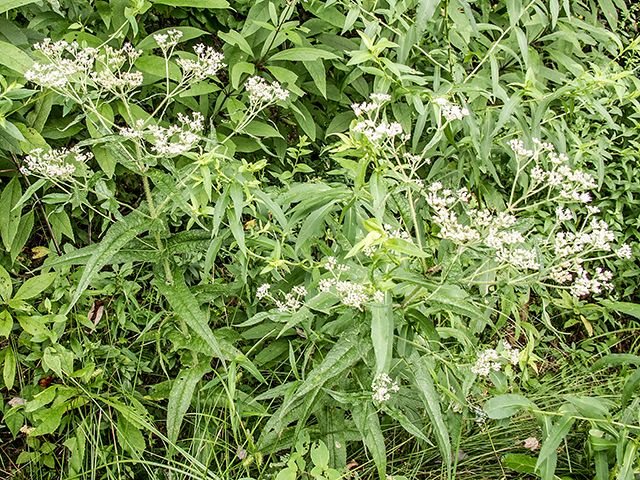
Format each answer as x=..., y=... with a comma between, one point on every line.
x=484, y=227
x=449, y=110
x=352, y=294
x=82, y=67
x=378, y=99
x=376, y=132
x=489, y=360
x=174, y=140
x=169, y=40
x=53, y=164
x=207, y=63
x=261, y=93
x=59, y=71
x=382, y=385
x=291, y=301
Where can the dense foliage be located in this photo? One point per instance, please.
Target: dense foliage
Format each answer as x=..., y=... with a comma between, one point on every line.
x=284, y=239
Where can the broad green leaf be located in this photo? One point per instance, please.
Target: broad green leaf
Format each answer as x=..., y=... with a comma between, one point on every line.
x=6, y=324
x=6, y=287
x=426, y=10
x=9, y=218
x=35, y=286
x=50, y=419
x=186, y=306
x=235, y=38
x=117, y=237
x=6, y=5
x=303, y=54
x=130, y=436
x=403, y=246
x=318, y=74
x=304, y=119
x=431, y=400
x=320, y=455
x=25, y=229
x=368, y=423
x=14, y=58
x=616, y=359
x=34, y=326
x=43, y=398
x=261, y=129
x=342, y=356
x=382, y=334
x=167, y=185
x=238, y=69
x=314, y=223
x=61, y=225
x=504, y=406
x=203, y=4
x=520, y=463
x=555, y=436
x=627, y=308
x=630, y=460
x=9, y=370
x=180, y=398
x=630, y=386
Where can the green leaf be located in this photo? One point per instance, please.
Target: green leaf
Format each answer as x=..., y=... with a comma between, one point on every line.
x=403, y=246
x=630, y=386
x=167, y=185
x=503, y=406
x=6, y=5
x=549, y=448
x=35, y=285
x=117, y=237
x=426, y=10
x=313, y=224
x=50, y=420
x=130, y=436
x=261, y=129
x=303, y=54
x=318, y=74
x=6, y=287
x=180, y=398
x=382, y=334
x=628, y=462
x=9, y=218
x=9, y=371
x=6, y=324
x=22, y=237
x=320, y=455
x=186, y=306
x=235, y=38
x=627, y=308
x=368, y=423
x=616, y=359
x=14, y=58
x=520, y=463
x=431, y=400
x=203, y=4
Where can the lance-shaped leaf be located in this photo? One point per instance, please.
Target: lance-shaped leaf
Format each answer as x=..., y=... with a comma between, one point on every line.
x=184, y=303
x=117, y=237
x=382, y=334
x=180, y=398
x=368, y=423
x=167, y=185
x=431, y=400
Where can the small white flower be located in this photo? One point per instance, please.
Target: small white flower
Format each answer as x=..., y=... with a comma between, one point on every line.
x=263, y=291
x=300, y=290
x=624, y=251
x=382, y=385
x=260, y=92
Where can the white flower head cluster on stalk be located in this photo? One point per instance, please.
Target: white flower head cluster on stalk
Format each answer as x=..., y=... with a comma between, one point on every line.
x=168, y=41
x=490, y=360
x=351, y=293
x=53, y=164
x=108, y=70
x=382, y=387
x=262, y=93
x=377, y=100
x=378, y=133
x=291, y=301
x=174, y=140
x=561, y=255
x=449, y=110
x=206, y=64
